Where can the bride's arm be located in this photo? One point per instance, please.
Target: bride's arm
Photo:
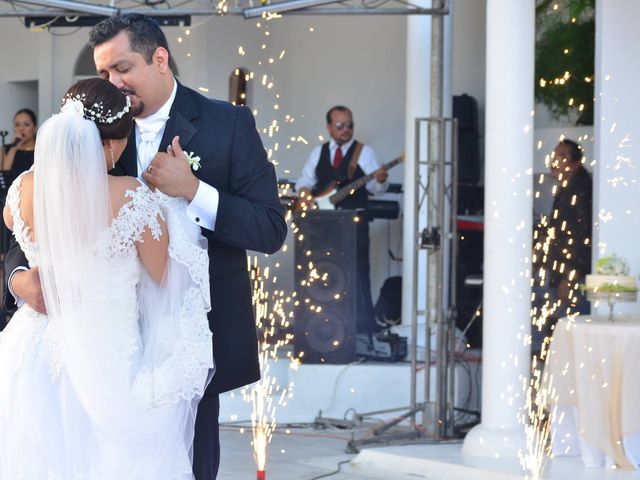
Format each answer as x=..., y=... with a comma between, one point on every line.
x=151, y=237
x=153, y=251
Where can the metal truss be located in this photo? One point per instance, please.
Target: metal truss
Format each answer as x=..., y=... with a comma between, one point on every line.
x=247, y=8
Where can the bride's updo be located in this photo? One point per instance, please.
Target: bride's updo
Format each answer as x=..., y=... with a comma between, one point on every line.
x=103, y=104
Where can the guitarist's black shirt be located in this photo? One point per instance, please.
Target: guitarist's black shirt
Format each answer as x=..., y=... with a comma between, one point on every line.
x=327, y=175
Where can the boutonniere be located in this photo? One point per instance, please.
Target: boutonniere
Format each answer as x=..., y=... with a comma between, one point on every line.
x=194, y=160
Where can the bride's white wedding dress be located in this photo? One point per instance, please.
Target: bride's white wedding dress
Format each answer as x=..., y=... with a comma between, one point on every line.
x=112, y=396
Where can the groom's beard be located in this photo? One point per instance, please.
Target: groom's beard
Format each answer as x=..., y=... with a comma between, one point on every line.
x=137, y=106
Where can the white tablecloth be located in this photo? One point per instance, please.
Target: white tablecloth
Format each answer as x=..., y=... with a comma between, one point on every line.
x=594, y=366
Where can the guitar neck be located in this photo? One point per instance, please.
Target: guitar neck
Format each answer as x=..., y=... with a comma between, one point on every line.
x=345, y=191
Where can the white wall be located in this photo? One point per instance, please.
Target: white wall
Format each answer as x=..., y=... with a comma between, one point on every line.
x=617, y=132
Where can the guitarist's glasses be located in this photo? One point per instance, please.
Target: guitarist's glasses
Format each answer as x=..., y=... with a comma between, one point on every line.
x=342, y=126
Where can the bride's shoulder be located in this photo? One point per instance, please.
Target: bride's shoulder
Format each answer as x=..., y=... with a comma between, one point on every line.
x=120, y=185
x=24, y=180
x=130, y=197
x=21, y=188
x=124, y=189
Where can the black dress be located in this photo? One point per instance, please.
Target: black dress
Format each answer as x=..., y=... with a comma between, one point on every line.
x=22, y=162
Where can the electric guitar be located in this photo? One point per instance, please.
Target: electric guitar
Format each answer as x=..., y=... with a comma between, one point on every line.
x=330, y=197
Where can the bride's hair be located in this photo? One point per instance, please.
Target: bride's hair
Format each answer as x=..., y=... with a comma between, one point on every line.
x=99, y=96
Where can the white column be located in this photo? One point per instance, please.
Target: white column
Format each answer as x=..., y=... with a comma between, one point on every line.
x=508, y=216
x=417, y=104
x=616, y=175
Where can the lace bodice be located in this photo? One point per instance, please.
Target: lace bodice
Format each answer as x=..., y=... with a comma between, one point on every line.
x=20, y=228
x=117, y=242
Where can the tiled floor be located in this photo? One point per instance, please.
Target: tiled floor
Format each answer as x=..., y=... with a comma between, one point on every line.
x=301, y=454
x=308, y=454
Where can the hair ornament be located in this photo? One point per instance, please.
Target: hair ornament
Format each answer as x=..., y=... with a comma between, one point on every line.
x=96, y=113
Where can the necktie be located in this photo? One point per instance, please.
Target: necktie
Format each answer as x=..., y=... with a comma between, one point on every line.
x=149, y=141
x=337, y=158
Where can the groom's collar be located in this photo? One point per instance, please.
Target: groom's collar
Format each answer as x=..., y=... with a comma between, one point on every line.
x=161, y=115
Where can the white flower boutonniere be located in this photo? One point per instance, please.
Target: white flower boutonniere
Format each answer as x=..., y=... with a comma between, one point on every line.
x=194, y=160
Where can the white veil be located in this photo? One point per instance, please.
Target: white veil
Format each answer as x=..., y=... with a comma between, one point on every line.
x=138, y=392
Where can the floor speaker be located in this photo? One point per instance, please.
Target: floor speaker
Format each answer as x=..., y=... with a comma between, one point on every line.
x=326, y=265
x=465, y=110
x=469, y=293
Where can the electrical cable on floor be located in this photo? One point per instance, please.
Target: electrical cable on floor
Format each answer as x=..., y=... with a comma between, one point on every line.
x=325, y=475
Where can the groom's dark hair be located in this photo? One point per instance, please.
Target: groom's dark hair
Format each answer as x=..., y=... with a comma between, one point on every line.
x=145, y=35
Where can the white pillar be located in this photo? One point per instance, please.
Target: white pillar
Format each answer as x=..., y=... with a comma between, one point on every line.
x=508, y=216
x=417, y=104
x=616, y=175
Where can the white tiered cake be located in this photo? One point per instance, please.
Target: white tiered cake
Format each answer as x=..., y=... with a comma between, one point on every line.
x=611, y=283
x=612, y=276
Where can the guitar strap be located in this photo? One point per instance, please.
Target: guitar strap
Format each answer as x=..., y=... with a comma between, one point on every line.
x=353, y=164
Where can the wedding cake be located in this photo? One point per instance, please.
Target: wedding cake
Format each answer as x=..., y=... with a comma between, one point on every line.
x=612, y=276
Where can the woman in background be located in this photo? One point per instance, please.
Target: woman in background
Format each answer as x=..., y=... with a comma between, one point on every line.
x=18, y=155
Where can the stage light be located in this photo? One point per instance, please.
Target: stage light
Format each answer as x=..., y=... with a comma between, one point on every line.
x=283, y=7
x=78, y=7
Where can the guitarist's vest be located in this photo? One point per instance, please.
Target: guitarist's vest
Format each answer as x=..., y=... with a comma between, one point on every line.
x=325, y=173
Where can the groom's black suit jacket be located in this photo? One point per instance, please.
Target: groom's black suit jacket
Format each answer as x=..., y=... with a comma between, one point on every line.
x=250, y=217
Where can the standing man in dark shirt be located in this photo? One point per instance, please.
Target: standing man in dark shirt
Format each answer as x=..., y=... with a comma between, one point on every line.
x=564, y=246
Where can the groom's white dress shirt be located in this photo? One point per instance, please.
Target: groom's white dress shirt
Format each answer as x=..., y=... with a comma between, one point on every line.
x=203, y=209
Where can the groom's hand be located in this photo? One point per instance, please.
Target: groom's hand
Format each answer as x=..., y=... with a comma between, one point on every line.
x=171, y=173
x=26, y=285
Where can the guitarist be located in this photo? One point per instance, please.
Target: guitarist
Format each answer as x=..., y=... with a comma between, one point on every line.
x=339, y=162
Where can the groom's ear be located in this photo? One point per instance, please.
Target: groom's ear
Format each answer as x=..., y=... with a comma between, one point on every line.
x=161, y=59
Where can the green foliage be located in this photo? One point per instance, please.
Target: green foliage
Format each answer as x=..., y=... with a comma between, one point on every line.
x=566, y=43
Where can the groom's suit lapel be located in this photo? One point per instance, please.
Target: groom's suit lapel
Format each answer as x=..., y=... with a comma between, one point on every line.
x=183, y=111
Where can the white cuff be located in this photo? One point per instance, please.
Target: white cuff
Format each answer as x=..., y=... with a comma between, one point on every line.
x=203, y=209
x=18, y=300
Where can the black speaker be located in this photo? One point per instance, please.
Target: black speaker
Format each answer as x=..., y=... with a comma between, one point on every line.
x=326, y=271
x=469, y=293
x=465, y=109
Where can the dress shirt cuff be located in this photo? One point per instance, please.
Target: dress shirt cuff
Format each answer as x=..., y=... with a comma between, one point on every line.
x=203, y=209
x=18, y=300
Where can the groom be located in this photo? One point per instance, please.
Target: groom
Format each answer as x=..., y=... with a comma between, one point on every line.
x=232, y=196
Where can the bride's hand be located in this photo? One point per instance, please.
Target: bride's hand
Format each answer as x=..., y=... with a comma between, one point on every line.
x=26, y=285
x=171, y=173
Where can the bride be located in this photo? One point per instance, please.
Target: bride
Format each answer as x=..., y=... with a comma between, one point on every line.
x=106, y=385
